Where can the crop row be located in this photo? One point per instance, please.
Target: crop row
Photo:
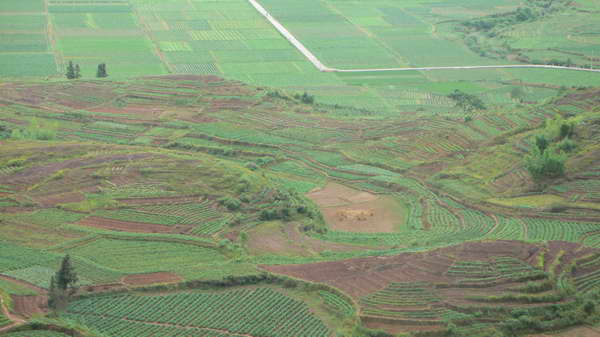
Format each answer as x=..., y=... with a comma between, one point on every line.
x=337, y=302
x=258, y=312
x=211, y=227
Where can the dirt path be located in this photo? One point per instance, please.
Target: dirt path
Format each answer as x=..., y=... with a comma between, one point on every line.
x=322, y=67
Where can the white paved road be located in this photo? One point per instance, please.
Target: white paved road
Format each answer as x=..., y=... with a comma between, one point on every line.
x=319, y=65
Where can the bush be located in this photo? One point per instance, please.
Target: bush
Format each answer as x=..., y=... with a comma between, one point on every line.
x=305, y=98
x=232, y=204
x=566, y=145
x=548, y=164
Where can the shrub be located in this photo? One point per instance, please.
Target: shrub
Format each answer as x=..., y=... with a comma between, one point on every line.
x=548, y=164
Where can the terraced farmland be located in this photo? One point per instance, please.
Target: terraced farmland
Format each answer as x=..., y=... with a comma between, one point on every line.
x=183, y=197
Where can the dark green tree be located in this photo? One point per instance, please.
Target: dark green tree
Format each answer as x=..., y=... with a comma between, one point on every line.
x=66, y=277
x=71, y=71
x=77, y=71
x=541, y=142
x=467, y=102
x=101, y=72
x=517, y=93
x=54, y=295
x=62, y=285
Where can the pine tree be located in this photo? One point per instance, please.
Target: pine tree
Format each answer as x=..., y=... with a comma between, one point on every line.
x=101, y=71
x=66, y=277
x=77, y=71
x=53, y=295
x=70, y=71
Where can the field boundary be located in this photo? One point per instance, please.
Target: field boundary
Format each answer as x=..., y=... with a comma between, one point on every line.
x=322, y=67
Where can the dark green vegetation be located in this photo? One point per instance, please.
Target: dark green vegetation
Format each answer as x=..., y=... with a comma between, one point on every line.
x=200, y=180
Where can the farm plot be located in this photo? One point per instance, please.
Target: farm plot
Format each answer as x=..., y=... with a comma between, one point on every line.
x=24, y=49
x=146, y=256
x=351, y=210
x=257, y=312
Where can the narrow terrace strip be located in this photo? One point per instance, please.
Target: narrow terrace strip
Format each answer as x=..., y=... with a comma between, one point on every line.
x=322, y=67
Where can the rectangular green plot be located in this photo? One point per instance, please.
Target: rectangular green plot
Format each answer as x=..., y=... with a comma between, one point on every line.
x=217, y=45
x=369, y=21
x=278, y=43
x=23, y=43
x=358, y=58
x=219, y=35
x=170, y=15
x=238, y=24
x=282, y=55
x=242, y=56
x=260, y=68
x=169, y=46
x=557, y=77
x=118, y=67
x=24, y=64
x=171, y=35
x=23, y=22
x=189, y=57
x=398, y=16
x=385, y=79
x=425, y=50
x=98, y=45
x=301, y=81
x=69, y=20
x=185, y=25
x=114, y=21
x=21, y=6
x=96, y=8
x=196, y=68
x=94, y=21
x=260, y=34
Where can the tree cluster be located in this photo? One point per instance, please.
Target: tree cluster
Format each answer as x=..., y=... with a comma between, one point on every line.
x=305, y=98
x=549, y=153
x=74, y=71
x=467, y=102
x=101, y=72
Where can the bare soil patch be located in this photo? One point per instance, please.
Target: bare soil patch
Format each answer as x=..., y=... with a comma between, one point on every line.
x=151, y=278
x=270, y=238
x=127, y=226
x=28, y=306
x=347, y=209
x=62, y=198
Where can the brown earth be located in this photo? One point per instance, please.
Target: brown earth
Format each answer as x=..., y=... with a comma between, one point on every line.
x=347, y=209
x=151, y=278
x=28, y=306
x=127, y=226
x=286, y=239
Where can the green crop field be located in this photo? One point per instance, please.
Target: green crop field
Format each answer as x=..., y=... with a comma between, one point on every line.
x=253, y=312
